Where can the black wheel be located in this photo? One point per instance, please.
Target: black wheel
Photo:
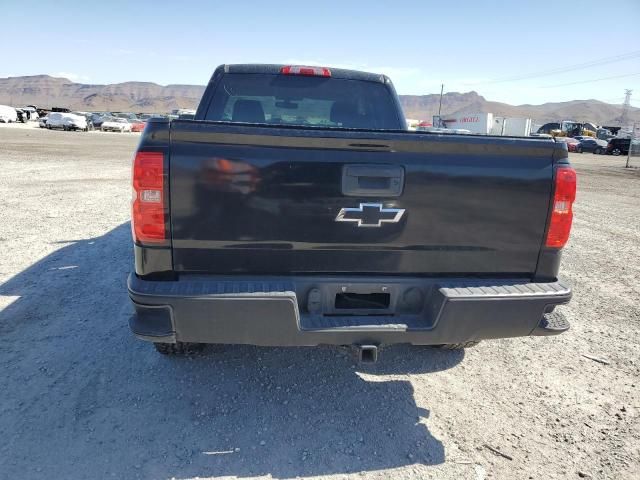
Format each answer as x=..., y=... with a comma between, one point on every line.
x=616, y=151
x=578, y=149
x=178, y=348
x=457, y=346
x=598, y=151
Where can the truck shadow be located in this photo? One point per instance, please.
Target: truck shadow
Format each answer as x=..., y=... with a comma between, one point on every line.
x=82, y=397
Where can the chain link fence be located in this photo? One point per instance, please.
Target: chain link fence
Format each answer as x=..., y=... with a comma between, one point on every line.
x=633, y=157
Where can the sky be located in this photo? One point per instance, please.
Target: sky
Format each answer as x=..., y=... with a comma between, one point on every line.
x=518, y=52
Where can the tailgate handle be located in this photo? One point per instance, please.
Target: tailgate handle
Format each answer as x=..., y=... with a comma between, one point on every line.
x=372, y=180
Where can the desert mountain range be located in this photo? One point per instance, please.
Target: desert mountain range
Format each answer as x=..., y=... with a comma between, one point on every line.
x=46, y=91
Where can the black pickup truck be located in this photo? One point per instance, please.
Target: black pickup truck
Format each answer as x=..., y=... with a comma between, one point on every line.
x=297, y=209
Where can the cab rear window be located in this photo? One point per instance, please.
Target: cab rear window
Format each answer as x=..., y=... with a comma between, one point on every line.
x=303, y=101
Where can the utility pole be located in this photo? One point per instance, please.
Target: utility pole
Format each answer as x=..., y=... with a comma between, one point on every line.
x=625, y=108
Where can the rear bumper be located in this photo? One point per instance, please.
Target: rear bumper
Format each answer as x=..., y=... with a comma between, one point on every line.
x=297, y=311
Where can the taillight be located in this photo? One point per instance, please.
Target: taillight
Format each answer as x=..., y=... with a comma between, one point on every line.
x=308, y=71
x=147, y=210
x=562, y=213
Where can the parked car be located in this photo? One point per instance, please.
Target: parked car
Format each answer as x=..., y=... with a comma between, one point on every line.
x=31, y=113
x=87, y=117
x=618, y=146
x=572, y=143
x=66, y=121
x=315, y=233
x=22, y=115
x=98, y=118
x=589, y=144
x=138, y=125
x=126, y=115
x=116, y=125
x=8, y=114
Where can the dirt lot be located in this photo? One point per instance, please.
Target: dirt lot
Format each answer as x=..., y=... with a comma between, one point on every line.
x=81, y=398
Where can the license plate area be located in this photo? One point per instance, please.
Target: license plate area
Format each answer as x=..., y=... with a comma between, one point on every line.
x=362, y=301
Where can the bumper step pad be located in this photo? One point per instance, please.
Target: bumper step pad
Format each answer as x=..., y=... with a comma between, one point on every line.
x=553, y=323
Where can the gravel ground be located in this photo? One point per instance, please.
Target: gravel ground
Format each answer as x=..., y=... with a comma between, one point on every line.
x=81, y=398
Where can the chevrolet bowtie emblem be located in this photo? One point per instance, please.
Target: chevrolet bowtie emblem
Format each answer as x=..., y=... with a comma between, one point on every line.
x=370, y=215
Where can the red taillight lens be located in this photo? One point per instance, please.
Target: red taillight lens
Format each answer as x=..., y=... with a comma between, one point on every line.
x=308, y=71
x=562, y=213
x=147, y=210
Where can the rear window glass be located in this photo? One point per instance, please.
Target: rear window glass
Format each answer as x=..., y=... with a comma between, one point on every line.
x=303, y=101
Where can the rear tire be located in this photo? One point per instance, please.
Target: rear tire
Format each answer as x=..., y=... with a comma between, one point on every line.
x=598, y=151
x=616, y=152
x=178, y=348
x=578, y=149
x=457, y=346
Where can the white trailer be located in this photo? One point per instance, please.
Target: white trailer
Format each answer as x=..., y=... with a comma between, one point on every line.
x=498, y=126
x=478, y=123
x=517, y=127
x=486, y=124
x=8, y=114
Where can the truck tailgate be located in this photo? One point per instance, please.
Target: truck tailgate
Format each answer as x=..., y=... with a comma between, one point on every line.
x=271, y=200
